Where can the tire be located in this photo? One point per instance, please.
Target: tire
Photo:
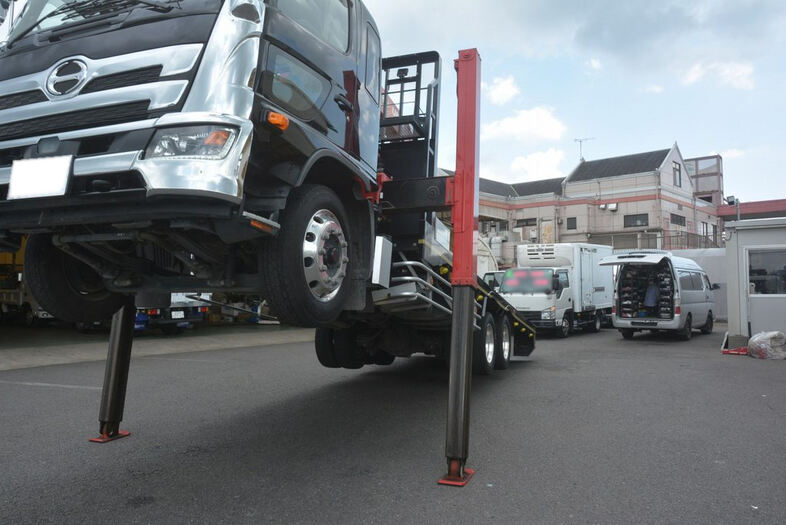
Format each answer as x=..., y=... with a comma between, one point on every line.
x=383, y=358
x=65, y=287
x=707, y=328
x=563, y=330
x=305, y=267
x=687, y=331
x=626, y=333
x=323, y=344
x=345, y=348
x=596, y=324
x=505, y=343
x=485, y=348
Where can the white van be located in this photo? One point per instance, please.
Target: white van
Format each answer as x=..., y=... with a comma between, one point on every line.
x=655, y=290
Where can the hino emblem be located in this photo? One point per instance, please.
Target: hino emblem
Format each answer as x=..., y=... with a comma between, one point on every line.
x=67, y=78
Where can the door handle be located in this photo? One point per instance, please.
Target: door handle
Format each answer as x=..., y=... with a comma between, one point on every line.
x=344, y=103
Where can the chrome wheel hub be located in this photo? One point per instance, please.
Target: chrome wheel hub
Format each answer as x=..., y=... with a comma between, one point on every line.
x=325, y=255
x=489, y=346
x=506, y=343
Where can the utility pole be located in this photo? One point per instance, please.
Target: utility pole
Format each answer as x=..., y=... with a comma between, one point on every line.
x=581, y=146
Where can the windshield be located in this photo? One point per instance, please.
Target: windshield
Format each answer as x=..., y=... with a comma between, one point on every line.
x=44, y=15
x=527, y=281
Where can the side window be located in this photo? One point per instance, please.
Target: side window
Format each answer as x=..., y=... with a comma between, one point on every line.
x=686, y=283
x=294, y=85
x=697, y=281
x=707, y=284
x=326, y=19
x=373, y=63
x=767, y=271
x=563, y=279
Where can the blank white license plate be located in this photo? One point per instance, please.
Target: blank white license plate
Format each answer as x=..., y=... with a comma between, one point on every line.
x=46, y=177
x=178, y=314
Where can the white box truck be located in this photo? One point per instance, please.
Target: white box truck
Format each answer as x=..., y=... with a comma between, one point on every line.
x=561, y=287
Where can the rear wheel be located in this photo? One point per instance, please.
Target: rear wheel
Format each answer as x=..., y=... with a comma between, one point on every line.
x=595, y=326
x=687, y=331
x=323, y=344
x=345, y=348
x=484, y=351
x=305, y=268
x=505, y=342
x=626, y=333
x=65, y=287
x=707, y=328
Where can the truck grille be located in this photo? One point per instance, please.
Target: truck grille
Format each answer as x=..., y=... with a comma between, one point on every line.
x=124, y=79
x=530, y=316
x=22, y=99
x=87, y=118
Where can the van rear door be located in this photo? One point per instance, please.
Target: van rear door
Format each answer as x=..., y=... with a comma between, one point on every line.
x=632, y=258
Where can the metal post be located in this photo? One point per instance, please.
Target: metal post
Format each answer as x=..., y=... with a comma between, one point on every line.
x=464, y=276
x=118, y=362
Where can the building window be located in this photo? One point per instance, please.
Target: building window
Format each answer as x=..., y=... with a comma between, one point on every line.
x=679, y=220
x=767, y=271
x=636, y=221
x=705, y=229
x=675, y=166
x=571, y=223
x=502, y=226
x=520, y=223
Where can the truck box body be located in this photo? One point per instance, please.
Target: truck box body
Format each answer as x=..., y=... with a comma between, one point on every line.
x=587, y=288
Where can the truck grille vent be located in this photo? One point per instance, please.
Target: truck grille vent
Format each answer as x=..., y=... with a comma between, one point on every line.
x=124, y=79
x=87, y=118
x=22, y=99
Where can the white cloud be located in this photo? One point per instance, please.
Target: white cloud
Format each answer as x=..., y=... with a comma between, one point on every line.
x=594, y=64
x=538, y=165
x=738, y=75
x=538, y=123
x=501, y=90
x=655, y=89
x=733, y=153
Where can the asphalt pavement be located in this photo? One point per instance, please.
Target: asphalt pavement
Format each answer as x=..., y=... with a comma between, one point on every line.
x=590, y=429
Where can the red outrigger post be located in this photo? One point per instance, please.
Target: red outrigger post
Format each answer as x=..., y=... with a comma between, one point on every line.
x=463, y=200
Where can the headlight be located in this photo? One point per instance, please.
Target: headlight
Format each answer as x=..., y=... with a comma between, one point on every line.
x=549, y=313
x=192, y=142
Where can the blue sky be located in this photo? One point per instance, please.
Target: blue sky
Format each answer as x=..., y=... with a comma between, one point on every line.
x=636, y=75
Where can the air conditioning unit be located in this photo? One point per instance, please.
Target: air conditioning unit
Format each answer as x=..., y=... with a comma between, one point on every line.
x=602, y=206
x=613, y=207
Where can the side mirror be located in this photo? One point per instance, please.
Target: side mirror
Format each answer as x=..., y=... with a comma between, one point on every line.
x=715, y=286
x=556, y=284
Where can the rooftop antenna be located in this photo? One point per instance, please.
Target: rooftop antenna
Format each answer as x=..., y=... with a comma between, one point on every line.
x=581, y=146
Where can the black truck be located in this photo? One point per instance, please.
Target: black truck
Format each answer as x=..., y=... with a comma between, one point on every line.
x=152, y=146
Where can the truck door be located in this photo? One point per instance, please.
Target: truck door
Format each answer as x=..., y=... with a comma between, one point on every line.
x=311, y=67
x=587, y=281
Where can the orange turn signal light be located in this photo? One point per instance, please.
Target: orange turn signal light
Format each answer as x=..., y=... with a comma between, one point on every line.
x=278, y=120
x=217, y=138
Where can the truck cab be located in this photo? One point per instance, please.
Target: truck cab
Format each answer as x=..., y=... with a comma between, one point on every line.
x=191, y=145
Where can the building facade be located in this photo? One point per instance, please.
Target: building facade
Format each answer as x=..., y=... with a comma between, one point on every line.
x=645, y=200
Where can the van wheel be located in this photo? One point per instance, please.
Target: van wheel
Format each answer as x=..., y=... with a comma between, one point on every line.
x=484, y=350
x=63, y=286
x=505, y=342
x=323, y=344
x=687, y=332
x=305, y=268
x=626, y=333
x=707, y=328
x=563, y=330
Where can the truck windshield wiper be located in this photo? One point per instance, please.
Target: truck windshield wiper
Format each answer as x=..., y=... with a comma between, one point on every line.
x=87, y=9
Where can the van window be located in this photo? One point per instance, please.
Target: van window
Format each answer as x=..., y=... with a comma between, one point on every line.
x=697, y=282
x=707, y=284
x=767, y=271
x=326, y=19
x=686, y=282
x=373, y=63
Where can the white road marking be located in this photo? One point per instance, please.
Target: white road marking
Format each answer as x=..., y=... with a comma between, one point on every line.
x=54, y=385
x=180, y=359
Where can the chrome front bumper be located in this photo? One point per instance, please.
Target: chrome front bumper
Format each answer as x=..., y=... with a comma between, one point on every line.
x=222, y=179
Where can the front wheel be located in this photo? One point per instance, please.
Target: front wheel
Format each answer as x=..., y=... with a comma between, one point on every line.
x=305, y=268
x=563, y=330
x=626, y=333
x=707, y=328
